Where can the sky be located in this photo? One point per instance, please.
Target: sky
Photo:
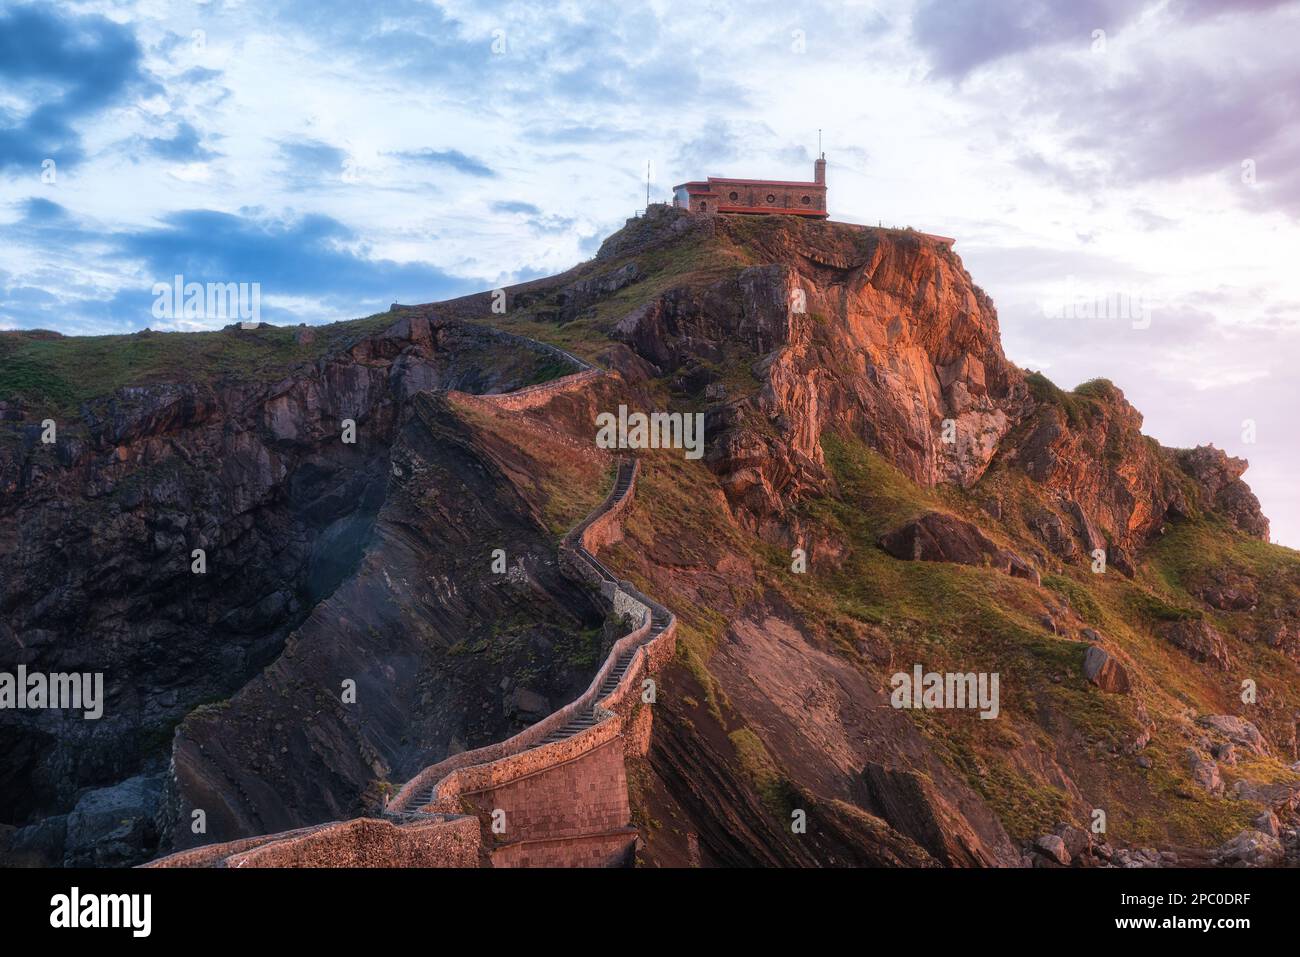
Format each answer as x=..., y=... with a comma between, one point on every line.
x=1123, y=178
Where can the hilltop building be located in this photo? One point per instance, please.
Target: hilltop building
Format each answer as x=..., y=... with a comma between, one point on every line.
x=756, y=196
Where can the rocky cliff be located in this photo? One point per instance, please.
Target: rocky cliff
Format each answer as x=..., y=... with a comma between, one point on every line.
x=324, y=561
x=953, y=511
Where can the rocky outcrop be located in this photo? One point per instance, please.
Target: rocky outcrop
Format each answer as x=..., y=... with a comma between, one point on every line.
x=882, y=335
x=1237, y=730
x=1218, y=477
x=876, y=332
x=912, y=805
x=1199, y=640
x=844, y=373
x=1204, y=771
x=1250, y=848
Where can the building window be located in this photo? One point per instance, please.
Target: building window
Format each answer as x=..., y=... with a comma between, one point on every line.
x=703, y=206
x=806, y=200
x=734, y=196
x=771, y=198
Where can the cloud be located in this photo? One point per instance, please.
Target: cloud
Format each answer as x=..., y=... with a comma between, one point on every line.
x=183, y=146
x=37, y=211
x=313, y=265
x=65, y=68
x=307, y=255
x=453, y=159
x=310, y=163
x=514, y=206
x=961, y=35
x=1159, y=103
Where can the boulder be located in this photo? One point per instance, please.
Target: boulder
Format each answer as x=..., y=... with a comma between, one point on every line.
x=1205, y=772
x=1280, y=796
x=1225, y=753
x=1237, y=730
x=1250, y=848
x=1077, y=841
x=1101, y=668
x=1237, y=595
x=1053, y=848
x=940, y=537
x=1267, y=823
x=115, y=825
x=38, y=845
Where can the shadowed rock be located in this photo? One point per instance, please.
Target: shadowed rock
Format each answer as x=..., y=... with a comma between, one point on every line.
x=1200, y=640
x=913, y=805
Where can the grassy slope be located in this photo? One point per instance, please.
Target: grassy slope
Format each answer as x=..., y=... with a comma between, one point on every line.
x=960, y=618
x=55, y=374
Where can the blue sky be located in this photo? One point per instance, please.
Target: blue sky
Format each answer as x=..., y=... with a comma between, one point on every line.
x=346, y=155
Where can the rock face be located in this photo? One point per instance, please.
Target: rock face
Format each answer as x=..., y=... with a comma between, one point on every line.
x=426, y=684
x=344, y=634
x=97, y=536
x=876, y=332
x=882, y=334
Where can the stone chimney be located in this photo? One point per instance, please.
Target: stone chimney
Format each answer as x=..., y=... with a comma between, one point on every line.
x=819, y=170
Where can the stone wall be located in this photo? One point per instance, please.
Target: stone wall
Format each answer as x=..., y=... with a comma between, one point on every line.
x=614, y=849
x=361, y=842
x=584, y=795
x=532, y=396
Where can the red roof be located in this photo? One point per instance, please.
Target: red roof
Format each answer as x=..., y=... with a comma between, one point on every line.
x=751, y=182
x=768, y=182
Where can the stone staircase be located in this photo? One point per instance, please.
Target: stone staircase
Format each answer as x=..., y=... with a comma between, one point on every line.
x=660, y=620
x=563, y=775
x=658, y=623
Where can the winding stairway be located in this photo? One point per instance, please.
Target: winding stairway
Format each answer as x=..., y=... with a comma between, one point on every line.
x=408, y=805
x=561, y=782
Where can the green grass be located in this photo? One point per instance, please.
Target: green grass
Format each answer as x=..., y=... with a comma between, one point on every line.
x=1079, y=597
x=758, y=766
x=54, y=375
x=1080, y=406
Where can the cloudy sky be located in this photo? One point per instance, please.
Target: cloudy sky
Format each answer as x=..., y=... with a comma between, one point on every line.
x=1123, y=179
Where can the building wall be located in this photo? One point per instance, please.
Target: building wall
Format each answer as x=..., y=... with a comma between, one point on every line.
x=777, y=198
